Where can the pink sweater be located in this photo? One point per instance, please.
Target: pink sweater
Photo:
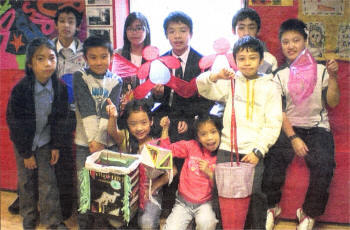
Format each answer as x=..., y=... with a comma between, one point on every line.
x=194, y=186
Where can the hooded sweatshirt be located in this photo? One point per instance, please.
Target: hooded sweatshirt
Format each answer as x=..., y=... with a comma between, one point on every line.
x=258, y=110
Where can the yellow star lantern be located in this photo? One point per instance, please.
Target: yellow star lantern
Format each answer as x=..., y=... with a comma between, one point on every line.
x=157, y=157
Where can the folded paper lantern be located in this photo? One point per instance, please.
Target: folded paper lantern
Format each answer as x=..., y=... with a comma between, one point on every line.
x=156, y=70
x=157, y=161
x=156, y=157
x=114, y=184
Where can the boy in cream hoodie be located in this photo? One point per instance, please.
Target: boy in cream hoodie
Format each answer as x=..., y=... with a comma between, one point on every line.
x=258, y=111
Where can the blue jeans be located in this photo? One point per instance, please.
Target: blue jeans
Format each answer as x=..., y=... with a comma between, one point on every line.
x=149, y=218
x=184, y=211
x=50, y=210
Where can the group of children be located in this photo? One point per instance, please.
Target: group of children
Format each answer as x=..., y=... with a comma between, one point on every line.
x=42, y=121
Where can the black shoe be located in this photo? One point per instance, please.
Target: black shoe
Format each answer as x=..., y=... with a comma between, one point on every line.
x=29, y=224
x=14, y=207
x=66, y=216
x=60, y=226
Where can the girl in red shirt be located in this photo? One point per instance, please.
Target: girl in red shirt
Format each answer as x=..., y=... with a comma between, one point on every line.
x=194, y=195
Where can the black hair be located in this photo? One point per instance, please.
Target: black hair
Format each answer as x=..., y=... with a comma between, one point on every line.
x=69, y=9
x=293, y=24
x=248, y=43
x=129, y=20
x=246, y=13
x=204, y=119
x=32, y=47
x=97, y=41
x=178, y=16
x=144, y=105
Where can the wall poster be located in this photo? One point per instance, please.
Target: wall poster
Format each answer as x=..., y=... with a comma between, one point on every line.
x=270, y=2
x=99, y=18
x=328, y=23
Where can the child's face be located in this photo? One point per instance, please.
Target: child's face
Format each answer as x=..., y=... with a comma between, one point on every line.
x=208, y=135
x=179, y=37
x=66, y=26
x=43, y=63
x=248, y=63
x=139, y=125
x=246, y=27
x=293, y=43
x=98, y=59
x=136, y=33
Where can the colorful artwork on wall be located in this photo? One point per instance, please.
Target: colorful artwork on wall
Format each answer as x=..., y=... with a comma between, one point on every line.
x=271, y=2
x=328, y=24
x=323, y=7
x=21, y=21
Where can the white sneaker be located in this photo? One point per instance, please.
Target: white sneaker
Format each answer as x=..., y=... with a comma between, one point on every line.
x=305, y=222
x=272, y=217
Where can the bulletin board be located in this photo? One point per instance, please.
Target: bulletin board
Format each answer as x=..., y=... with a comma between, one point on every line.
x=328, y=23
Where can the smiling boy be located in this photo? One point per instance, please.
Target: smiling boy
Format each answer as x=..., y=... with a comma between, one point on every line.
x=92, y=87
x=257, y=109
x=178, y=30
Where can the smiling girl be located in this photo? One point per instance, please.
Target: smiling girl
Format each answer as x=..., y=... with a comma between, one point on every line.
x=137, y=131
x=194, y=195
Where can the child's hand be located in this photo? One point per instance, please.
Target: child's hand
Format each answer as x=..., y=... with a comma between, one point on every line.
x=111, y=109
x=250, y=158
x=182, y=127
x=224, y=74
x=55, y=155
x=95, y=146
x=158, y=90
x=332, y=68
x=30, y=163
x=204, y=167
x=299, y=146
x=165, y=122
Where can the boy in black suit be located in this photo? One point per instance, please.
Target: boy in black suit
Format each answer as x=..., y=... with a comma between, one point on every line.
x=178, y=30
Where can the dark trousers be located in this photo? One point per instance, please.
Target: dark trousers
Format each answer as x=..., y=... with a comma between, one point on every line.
x=50, y=211
x=65, y=176
x=319, y=160
x=65, y=171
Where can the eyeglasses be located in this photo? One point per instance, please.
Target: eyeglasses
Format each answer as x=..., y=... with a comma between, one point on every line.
x=137, y=29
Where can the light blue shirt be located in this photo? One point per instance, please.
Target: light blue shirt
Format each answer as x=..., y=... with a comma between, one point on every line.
x=43, y=97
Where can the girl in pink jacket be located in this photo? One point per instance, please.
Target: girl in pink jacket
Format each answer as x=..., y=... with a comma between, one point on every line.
x=194, y=195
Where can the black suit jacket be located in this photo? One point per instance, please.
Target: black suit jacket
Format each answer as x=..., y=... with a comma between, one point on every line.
x=186, y=108
x=183, y=109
